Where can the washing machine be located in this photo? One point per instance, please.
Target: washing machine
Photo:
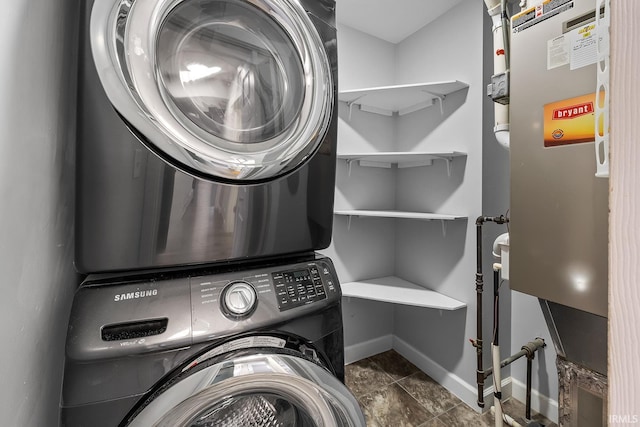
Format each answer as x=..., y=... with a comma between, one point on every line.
x=206, y=131
x=258, y=347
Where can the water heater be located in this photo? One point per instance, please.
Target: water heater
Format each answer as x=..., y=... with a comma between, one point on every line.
x=559, y=208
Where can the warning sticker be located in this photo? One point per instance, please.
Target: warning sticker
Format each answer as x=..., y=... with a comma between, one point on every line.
x=584, y=46
x=576, y=48
x=535, y=15
x=570, y=121
x=558, y=52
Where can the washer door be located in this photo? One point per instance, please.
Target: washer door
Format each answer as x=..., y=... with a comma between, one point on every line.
x=254, y=390
x=236, y=89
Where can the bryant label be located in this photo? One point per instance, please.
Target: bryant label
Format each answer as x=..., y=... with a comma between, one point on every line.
x=570, y=121
x=573, y=111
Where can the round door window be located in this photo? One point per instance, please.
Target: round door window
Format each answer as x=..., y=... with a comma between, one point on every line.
x=250, y=409
x=260, y=390
x=235, y=89
x=229, y=72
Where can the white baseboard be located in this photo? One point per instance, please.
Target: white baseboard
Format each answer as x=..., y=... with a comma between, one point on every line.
x=539, y=402
x=362, y=350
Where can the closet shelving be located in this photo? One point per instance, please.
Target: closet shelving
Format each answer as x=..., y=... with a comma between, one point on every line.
x=403, y=159
x=398, y=291
x=397, y=214
x=424, y=216
x=400, y=100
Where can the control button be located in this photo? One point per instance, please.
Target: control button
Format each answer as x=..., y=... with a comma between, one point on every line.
x=239, y=299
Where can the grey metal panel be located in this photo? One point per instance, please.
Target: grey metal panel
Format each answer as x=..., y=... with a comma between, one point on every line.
x=98, y=372
x=210, y=322
x=97, y=414
x=98, y=306
x=559, y=210
x=577, y=335
x=191, y=306
x=135, y=210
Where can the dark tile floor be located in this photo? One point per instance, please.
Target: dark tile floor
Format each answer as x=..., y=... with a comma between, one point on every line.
x=394, y=392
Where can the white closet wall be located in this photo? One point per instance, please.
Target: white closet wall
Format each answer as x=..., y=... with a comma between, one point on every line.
x=450, y=48
x=37, y=99
x=364, y=61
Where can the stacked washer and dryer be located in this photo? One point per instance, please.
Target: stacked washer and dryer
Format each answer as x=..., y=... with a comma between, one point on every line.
x=205, y=179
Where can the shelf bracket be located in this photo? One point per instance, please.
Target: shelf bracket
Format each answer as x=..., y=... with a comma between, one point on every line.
x=352, y=102
x=349, y=163
x=447, y=159
x=349, y=222
x=444, y=227
x=440, y=98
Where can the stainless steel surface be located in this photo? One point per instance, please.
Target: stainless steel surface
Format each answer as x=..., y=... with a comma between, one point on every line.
x=97, y=307
x=559, y=209
x=285, y=358
x=193, y=306
x=234, y=89
x=578, y=336
x=137, y=209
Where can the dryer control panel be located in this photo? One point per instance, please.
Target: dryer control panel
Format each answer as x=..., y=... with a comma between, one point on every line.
x=302, y=286
x=117, y=317
x=249, y=299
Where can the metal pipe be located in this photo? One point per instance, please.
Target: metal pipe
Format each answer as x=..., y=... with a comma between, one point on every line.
x=527, y=349
x=508, y=361
x=505, y=33
x=477, y=343
x=528, y=398
x=479, y=285
x=531, y=348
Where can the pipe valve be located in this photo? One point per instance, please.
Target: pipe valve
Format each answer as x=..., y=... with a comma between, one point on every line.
x=532, y=346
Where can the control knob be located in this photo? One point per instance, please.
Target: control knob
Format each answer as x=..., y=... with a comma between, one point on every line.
x=239, y=299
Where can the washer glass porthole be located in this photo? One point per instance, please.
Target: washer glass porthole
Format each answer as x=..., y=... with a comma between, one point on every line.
x=228, y=70
x=254, y=409
x=236, y=89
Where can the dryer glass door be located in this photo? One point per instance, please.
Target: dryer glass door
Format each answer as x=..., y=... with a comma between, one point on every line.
x=235, y=89
x=255, y=390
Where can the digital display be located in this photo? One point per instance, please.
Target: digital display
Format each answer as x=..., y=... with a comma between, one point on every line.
x=300, y=273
